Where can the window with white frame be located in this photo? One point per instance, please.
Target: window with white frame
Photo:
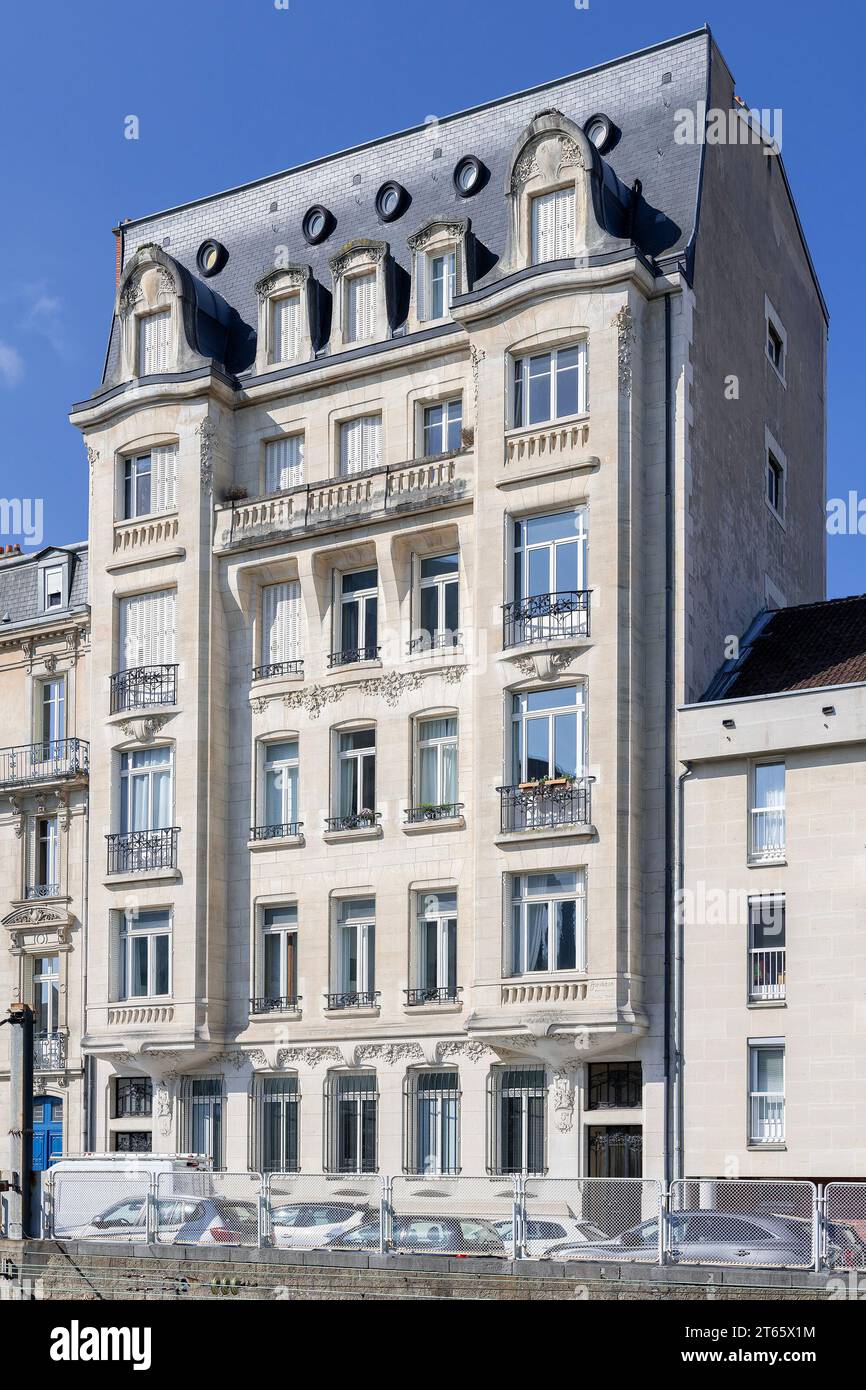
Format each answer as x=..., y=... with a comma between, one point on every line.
x=360, y=307
x=51, y=714
x=45, y=976
x=548, y=734
x=356, y=774
x=436, y=763
x=280, y=787
x=278, y=959
x=775, y=484
x=357, y=620
x=354, y=953
x=202, y=1101
x=150, y=482
x=441, y=282
x=517, y=1098
x=52, y=586
x=767, y=813
x=145, y=954
x=553, y=226
x=277, y=1100
x=766, y=1091
x=431, y=1128
x=776, y=340
x=548, y=922
x=281, y=627
x=549, y=584
x=284, y=462
x=766, y=948
x=145, y=790
x=435, y=948
x=360, y=444
x=147, y=630
x=549, y=386
x=352, y=1105
x=438, y=602
x=442, y=427
x=154, y=342
x=285, y=328
x=43, y=866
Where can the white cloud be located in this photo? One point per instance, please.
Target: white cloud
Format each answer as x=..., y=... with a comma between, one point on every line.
x=11, y=365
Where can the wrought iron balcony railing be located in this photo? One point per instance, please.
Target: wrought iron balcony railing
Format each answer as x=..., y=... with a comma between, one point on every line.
x=438, y=995
x=544, y=617
x=42, y=890
x=49, y=1052
x=547, y=804
x=364, y=820
x=448, y=810
x=353, y=999
x=278, y=668
x=265, y=1004
x=52, y=760
x=139, y=851
x=143, y=687
x=350, y=655
x=442, y=640
x=288, y=830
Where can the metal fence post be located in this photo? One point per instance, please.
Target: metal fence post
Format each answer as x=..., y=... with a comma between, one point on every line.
x=518, y=1217
x=151, y=1210
x=664, y=1203
x=384, y=1217
x=262, y=1230
x=819, y=1230
x=48, y=1205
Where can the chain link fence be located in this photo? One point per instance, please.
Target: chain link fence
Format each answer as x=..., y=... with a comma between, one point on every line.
x=592, y=1219
x=102, y=1205
x=209, y=1208
x=452, y=1216
x=735, y=1221
x=844, y=1232
x=310, y=1211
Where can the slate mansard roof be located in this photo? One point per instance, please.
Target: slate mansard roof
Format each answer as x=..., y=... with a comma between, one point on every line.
x=639, y=93
x=806, y=648
x=19, y=587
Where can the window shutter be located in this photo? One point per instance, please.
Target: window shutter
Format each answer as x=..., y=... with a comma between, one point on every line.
x=350, y=439
x=422, y=270
x=541, y=229
x=153, y=342
x=564, y=233
x=163, y=463
x=372, y=427
x=284, y=463
x=360, y=315
x=30, y=853
x=147, y=630
x=281, y=622
x=286, y=328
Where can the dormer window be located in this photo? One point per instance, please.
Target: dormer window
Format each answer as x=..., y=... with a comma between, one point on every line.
x=154, y=343
x=153, y=339
x=553, y=226
x=52, y=587
x=360, y=293
x=285, y=337
x=551, y=215
x=285, y=334
x=440, y=271
x=360, y=308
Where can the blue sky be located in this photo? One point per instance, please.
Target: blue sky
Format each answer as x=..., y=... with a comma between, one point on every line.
x=228, y=90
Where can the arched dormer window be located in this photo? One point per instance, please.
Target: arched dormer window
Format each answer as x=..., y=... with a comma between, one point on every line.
x=360, y=294
x=440, y=269
x=548, y=187
x=147, y=306
x=284, y=317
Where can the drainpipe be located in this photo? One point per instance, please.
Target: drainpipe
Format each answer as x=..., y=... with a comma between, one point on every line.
x=669, y=739
x=677, y=1125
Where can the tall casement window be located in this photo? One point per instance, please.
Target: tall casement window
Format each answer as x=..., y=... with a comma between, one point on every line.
x=202, y=1098
x=435, y=949
x=43, y=857
x=150, y=482
x=352, y=1102
x=766, y=949
x=767, y=815
x=441, y=283
x=280, y=651
x=548, y=922
x=549, y=582
x=354, y=954
x=436, y=763
x=431, y=1102
x=133, y=1096
x=284, y=462
x=775, y=484
x=145, y=954
x=516, y=1120
x=553, y=226
x=360, y=307
x=278, y=959
x=767, y=1091
x=357, y=617
x=145, y=790
x=154, y=343
x=360, y=444
x=548, y=734
x=442, y=428
x=285, y=328
x=147, y=630
x=549, y=386
x=280, y=768
x=278, y=1111
x=51, y=715
x=356, y=791
x=46, y=995
x=438, y=602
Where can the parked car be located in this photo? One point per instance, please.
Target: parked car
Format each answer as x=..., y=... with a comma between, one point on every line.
x=309, y=1225
x=428, y=1235
x=127, y=1220
x=542, y=1232
x=220, y=1221
x=845, y=1246
x=706, y=1236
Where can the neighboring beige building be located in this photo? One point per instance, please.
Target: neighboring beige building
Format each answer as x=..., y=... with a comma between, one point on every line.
x=774, y=900
x=405, y=480
x=44, y=698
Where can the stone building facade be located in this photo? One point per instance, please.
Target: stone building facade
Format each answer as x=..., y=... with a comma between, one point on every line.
x=407, y=470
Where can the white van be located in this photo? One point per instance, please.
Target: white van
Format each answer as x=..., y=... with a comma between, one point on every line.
x=104, y=1196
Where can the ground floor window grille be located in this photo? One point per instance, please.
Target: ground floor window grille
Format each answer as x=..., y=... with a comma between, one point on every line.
x=202, y=1099
x=279, y=1124
x=517, y=1099
x=432, y=1115
x=352, y=1103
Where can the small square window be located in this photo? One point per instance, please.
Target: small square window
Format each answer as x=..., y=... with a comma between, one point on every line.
x=775, y=484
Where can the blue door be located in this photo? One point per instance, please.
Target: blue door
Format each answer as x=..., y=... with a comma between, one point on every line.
x=47, y=1131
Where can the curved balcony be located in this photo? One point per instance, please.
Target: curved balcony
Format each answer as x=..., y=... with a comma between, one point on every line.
x=54, y=760
x=143, y=687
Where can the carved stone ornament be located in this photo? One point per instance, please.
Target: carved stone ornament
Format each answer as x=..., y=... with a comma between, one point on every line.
x=144, y=730
x=476, y=355
x=391, y=688
x=390, y=1053
x=453, y=230
x=235, y=1059
x=289, y=278
x=35, y=917
x=131, y=296
x=471, y=1049
x=360, y=253
x=164, y=1107
x=311, y=1056
x=563, y=1102
x=207, y=434
x=546, y=665
x=257, y=1057
x=623, y=322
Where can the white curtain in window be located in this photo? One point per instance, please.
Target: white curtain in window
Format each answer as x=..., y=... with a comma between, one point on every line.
x=360, y=443
x=553, y=226
x=147, y=630
x=163, y=468
x=360, y=307
x=285, y=328
x=154, y=332
x=281, y=622
x=284, y=463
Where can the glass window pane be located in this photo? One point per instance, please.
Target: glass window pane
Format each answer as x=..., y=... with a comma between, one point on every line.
x=430, y=610
x=272, y=981
x=537, y=748
x=566, y=936
x=565, y=745
x=139, y=966
x=428, y=783
x=160, y=964
x=536, y=936
x=539, y=389
x=567, y=382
